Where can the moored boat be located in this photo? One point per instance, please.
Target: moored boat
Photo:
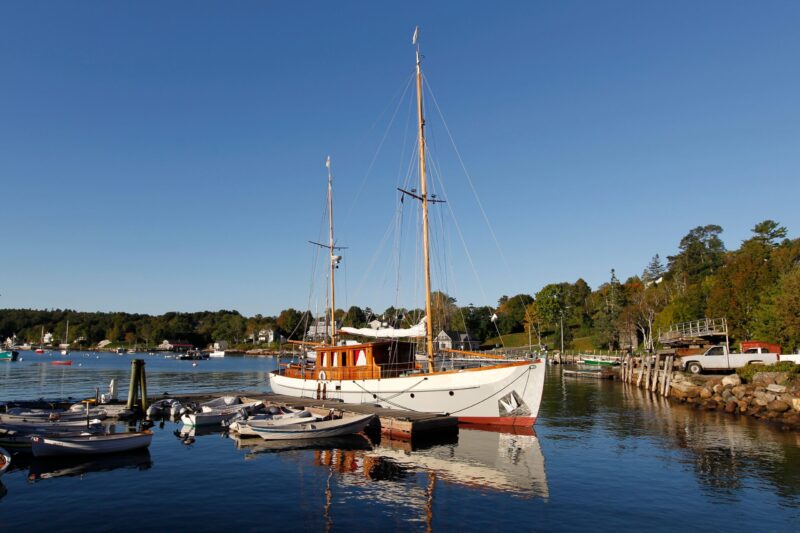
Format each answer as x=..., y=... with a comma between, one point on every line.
x=316, y=429
x=594, y=361
x=67, y=362
x=90, y=444
x=9, y=355
x=384, y=370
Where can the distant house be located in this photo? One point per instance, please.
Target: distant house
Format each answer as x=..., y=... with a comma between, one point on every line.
x=264, y=335
x=177, y=346
x=455, y=341
x=321, y=329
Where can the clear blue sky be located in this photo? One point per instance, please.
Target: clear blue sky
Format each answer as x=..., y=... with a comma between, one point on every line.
x=160, y=156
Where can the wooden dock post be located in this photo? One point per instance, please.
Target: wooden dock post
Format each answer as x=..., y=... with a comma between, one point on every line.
x=137, y=382
x=668, y=375
x=656, y=373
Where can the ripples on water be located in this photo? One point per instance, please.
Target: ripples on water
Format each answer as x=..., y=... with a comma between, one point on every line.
x=605, y=456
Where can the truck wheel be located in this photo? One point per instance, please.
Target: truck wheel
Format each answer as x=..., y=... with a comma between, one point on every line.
x=695, y=368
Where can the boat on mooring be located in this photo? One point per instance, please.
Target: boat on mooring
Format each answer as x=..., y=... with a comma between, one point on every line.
x=384, y=371
x=9, y=355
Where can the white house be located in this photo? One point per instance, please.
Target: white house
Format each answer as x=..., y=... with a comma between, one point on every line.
x=321, y=329
x=455, y=341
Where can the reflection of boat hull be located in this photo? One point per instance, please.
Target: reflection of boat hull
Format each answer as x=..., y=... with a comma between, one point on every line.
x=506, y=394
x=52, y=467
x=348, y=442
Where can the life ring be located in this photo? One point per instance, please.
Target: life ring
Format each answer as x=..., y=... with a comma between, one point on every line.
x=322, y=376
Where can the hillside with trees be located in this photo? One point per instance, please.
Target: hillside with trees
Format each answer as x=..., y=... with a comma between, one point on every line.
x=756, y=287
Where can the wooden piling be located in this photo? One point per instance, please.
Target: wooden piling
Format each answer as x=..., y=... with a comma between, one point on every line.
x=656, y=373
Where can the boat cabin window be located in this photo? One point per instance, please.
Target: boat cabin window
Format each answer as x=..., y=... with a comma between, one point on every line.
x=344, y=358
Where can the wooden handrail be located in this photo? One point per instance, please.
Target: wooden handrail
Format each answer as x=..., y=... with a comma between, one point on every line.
x=308, y=343
x=473, y=354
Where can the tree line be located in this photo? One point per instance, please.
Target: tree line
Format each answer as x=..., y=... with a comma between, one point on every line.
x=755, y=287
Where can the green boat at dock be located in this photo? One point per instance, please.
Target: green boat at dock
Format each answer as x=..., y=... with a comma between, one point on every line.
x=9, y=355
x=597, y=362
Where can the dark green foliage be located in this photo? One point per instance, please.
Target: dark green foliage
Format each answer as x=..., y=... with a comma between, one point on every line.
x=748, y=372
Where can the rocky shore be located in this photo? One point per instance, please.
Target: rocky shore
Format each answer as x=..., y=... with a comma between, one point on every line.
x=772, y=396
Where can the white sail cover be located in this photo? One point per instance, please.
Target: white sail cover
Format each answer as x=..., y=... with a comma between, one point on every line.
x=388, y=333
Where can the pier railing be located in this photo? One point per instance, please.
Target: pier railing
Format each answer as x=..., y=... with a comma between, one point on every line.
x=706, y=327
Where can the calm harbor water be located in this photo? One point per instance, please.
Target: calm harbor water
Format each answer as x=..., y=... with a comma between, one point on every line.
x=604, y=457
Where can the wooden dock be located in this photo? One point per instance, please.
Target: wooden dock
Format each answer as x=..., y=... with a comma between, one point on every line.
x=394, y=423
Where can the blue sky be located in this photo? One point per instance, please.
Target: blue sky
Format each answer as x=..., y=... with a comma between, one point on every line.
x=170, y=156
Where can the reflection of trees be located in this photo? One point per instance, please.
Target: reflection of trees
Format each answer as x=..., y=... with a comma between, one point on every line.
x=722, y=449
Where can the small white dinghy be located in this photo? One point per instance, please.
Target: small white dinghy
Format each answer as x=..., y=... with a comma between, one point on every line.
x=90, y=444
x=245, y=427
x=215, y=415
x=316, y=429
x=5, y=461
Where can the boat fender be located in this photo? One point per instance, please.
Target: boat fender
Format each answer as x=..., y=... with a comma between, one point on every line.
x=322, y=376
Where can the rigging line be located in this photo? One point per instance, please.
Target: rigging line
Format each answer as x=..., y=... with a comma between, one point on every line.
x=377, y=151
x=528, y=371
x=466, y=173
x=389, y=398
x=463, y=241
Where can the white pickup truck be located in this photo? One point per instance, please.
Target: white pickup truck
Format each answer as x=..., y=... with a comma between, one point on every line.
x=718, y=358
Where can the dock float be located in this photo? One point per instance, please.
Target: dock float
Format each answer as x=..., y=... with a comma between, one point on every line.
x=394, y=423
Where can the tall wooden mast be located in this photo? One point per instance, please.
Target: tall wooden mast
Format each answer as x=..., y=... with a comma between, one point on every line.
x=333, y=259
x=423, y=187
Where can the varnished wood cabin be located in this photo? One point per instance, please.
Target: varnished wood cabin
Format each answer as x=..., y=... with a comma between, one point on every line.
x=373, y=360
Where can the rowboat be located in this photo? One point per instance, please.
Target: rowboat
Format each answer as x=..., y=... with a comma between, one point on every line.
x=597, y=362
x=218, y=411
x=19, y=436
x=62, y=363
x=90, y=444
x=314, y=430
x=245, y=427
x=5, y=461
x=24, y=416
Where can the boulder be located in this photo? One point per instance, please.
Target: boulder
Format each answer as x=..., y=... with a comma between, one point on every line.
x=732, y=380
x=796, y=404
x=776, y=388
x=743, y=405
x=727, y=396
x=777, y=406
x=730, y=407
x=767, y=378
x=718, y=388
x=739, y=391
x=706, y=394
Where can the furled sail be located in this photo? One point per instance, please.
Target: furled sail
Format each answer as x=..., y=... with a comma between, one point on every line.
x=388, y=333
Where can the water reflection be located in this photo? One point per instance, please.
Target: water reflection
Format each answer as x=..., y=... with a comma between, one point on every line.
x=53, y=467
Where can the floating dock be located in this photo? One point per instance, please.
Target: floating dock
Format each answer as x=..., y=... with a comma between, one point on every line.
x=394, y=423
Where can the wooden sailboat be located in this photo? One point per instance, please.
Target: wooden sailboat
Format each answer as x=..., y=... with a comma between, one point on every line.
x=384, y=371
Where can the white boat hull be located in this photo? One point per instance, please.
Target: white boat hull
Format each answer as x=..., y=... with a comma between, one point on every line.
x=217, y=353
x=315, y=429
x=505, y=394
x=90, y=445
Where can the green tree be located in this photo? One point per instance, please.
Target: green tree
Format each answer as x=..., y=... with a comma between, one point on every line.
x=768, y=231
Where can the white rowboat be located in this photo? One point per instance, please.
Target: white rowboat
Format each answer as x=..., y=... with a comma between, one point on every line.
x=90, y=444
x=314, y=430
